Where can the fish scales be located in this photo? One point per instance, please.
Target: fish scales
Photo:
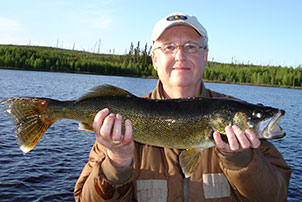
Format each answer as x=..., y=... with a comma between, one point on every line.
x=158, y=121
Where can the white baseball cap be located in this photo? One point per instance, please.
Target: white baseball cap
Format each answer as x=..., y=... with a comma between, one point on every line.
x=179, y=19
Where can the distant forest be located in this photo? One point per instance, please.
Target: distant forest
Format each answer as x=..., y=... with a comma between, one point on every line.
x=137, y=62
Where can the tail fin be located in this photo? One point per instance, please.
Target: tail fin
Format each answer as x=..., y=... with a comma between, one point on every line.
x=29, y=115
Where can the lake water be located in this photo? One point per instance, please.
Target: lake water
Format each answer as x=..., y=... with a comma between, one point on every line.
x=50, y=170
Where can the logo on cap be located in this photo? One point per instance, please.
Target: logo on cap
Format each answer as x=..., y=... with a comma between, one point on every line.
x=177, y=17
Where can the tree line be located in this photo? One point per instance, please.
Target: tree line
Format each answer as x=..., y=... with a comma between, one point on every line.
x=138, y=62
x=253, y=74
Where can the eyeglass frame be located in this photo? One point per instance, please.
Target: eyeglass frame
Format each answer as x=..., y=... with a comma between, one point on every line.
x=178, y=46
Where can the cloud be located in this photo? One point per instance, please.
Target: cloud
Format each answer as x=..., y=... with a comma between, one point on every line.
x=9, y=25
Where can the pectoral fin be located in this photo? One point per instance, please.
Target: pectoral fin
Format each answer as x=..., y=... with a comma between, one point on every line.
x=219, y=122
x=189, y=160
x=85, y=126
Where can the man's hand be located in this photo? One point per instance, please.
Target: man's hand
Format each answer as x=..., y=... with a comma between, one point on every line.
x=108, y=130
x=237, y=140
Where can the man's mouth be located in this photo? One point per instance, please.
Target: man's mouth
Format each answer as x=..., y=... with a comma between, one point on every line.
x=181, y=68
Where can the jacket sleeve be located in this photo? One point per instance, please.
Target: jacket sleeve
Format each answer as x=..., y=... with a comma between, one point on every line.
x=101, y=181
x=264, y=178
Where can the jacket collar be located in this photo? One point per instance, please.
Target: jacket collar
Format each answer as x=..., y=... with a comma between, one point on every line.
x=158, y=92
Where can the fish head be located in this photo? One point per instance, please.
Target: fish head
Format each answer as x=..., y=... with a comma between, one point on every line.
x=268, y=127
x=262, y=120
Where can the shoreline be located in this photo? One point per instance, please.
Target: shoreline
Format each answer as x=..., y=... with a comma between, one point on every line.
x=250, y=84
x=152, y=77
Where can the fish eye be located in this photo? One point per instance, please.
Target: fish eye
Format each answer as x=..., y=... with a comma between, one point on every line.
x=257, y=114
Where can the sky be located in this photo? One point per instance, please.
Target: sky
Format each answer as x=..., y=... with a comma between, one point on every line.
x=260, y=32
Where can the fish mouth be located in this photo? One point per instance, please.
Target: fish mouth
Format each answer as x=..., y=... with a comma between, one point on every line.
x=269, y=128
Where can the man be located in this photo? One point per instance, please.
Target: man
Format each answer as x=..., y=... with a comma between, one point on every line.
x=244, y=169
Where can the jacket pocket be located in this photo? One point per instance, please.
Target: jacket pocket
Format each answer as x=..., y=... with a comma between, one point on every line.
x=215, y=185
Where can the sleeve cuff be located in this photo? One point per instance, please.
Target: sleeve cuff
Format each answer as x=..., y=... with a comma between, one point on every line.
x=116, y=175
x=236, y=161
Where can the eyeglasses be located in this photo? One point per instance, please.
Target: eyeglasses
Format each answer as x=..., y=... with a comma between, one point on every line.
x=170, y=48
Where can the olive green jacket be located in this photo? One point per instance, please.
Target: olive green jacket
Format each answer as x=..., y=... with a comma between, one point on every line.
x=155, y=175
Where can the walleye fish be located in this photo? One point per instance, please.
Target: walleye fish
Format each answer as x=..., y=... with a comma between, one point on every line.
x=175, y=123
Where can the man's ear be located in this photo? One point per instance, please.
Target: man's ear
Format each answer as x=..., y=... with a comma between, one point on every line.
x=154, y=60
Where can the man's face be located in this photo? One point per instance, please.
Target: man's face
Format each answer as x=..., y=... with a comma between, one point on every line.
x=180, y=69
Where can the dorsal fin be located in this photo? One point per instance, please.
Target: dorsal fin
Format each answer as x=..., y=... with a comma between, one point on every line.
x=105, y=90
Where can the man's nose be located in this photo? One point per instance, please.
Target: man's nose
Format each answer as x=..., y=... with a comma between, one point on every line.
x=180, y=54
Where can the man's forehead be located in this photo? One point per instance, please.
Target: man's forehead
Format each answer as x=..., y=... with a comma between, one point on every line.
x=179, y=30
x=182, y=26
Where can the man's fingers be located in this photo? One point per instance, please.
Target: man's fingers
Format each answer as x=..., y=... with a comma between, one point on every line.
x=117, y=127
x=128, y=132
x=233, y=142
x=106, y=128
x=237, y=140
x=98, y=120
x=254, y=140
x=241, y=137
x=218, y=140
